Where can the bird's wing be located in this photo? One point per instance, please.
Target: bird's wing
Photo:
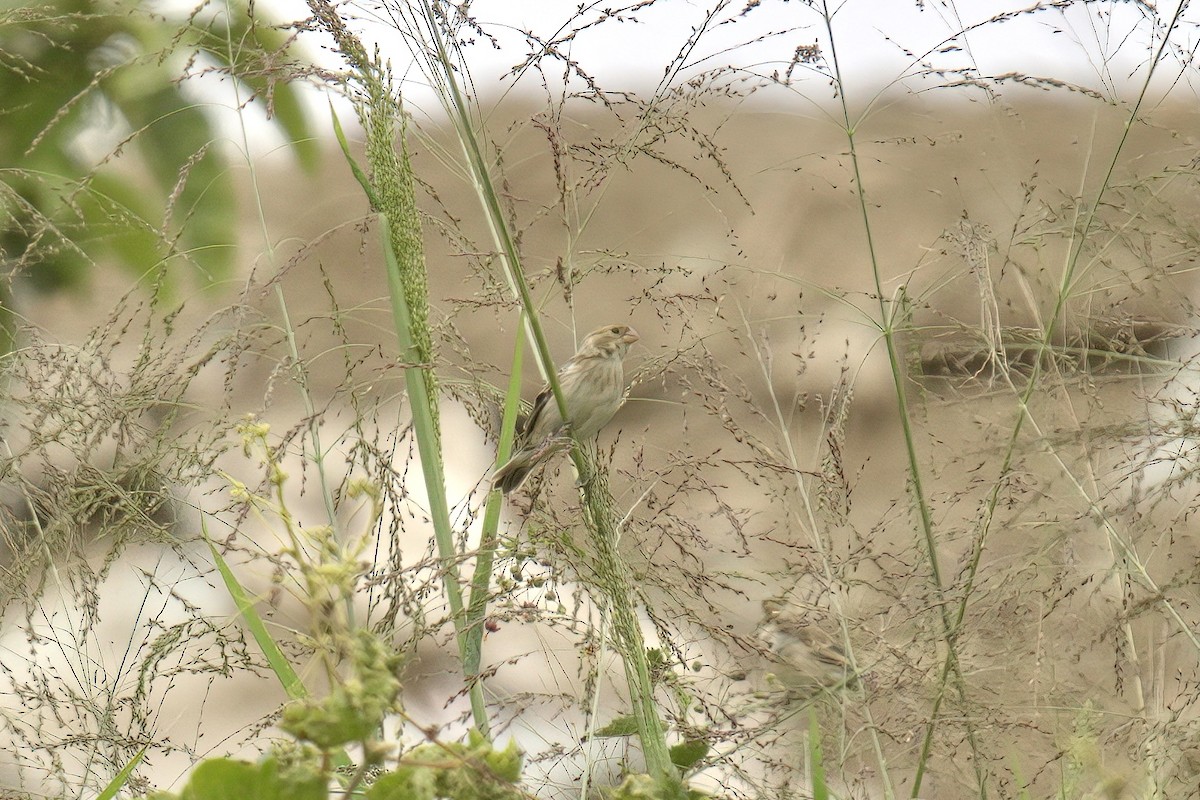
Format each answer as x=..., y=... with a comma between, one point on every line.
x=544, y=397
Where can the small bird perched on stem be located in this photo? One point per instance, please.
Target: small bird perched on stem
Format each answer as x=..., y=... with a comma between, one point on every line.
x=805, y=656
x=593, y=386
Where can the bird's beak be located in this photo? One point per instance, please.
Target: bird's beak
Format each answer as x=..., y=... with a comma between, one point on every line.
x=630, y=336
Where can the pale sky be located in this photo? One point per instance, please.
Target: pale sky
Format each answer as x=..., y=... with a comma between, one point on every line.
x=880, y=45
x=1097, y=44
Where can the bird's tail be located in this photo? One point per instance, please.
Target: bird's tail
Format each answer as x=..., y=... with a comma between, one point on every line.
x=509, y=477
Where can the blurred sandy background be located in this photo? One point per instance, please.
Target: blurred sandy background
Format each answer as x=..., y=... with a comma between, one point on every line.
x=732, y=238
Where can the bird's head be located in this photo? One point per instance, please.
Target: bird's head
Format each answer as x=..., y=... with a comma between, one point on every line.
x=610, y=339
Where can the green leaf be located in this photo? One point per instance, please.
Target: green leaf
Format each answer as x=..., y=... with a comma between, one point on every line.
x=686, y=755
x=1019, y=779
x=648, y=787
x=504, y=764
x=405, y=783
x=256, y=53
x=122, y=777
x=117, y=215
x=281, y=97
x=621, y=726
x=471, y=771
x=333, y=721
x=84, y=65
x=820, y=791
x=178, y=144
x=279, y=664
x=355, y=169
x=227, y=779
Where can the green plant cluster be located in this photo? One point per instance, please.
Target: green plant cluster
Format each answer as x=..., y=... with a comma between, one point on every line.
x=456, y=771
x=361, y=668
x=355, y=708
x=269, y=779
x=84, y=83
x=471, y=770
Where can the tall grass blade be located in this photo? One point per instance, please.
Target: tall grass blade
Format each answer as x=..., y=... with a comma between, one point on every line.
x=481, y=580
x=278, y=662
x=425, y=426
x=816, y=758
x=122, y=777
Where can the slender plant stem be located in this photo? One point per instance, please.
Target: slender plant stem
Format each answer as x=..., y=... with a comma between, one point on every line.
x=949, y=630
x=299, y=370
x=808, y=520
x=391, y=193
x=597, y=503
x=1023, y=415
x=481, y=580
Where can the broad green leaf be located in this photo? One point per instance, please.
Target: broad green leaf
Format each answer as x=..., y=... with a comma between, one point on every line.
x=471, y=771
x=227, y=779
x=260, y=62
x=178, y=145
x=648, y=787
x=686, y=755
x=85, y=67
x=119, y=217
x=621, y=726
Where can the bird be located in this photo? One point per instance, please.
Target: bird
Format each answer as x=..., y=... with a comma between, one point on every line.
x=805, y=656
x=593, y=387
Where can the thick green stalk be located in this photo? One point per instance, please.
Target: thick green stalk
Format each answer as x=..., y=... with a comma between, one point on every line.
x=616, y=580
x=429, y=448
x=391, y=191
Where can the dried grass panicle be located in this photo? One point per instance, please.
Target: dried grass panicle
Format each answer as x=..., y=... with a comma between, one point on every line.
x=761, y=453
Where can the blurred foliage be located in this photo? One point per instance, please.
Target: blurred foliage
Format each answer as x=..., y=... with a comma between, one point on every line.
x=474, y=770
x=227, y=779
x=353, y=710
x=106, y=157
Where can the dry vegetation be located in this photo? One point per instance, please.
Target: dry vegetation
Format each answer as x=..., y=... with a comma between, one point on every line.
x=996, y=524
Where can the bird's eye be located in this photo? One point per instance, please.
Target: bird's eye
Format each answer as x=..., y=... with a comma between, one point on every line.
x=616, y=330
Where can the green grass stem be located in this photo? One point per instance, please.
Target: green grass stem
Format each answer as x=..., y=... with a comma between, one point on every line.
x=597, y=503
